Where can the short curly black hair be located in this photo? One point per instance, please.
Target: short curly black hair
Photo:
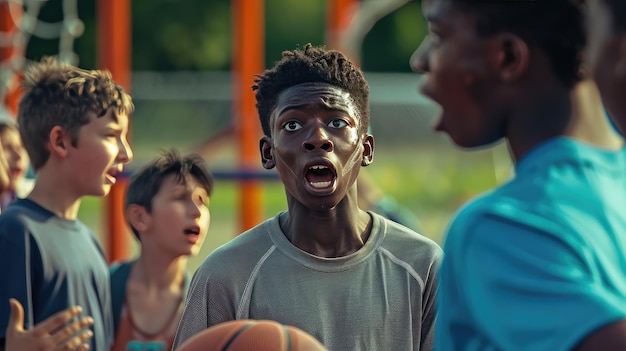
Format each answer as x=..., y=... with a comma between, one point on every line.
x=554, y=26
x=312, y=64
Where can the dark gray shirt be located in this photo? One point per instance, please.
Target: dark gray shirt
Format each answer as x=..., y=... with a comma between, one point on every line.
x=49, y=264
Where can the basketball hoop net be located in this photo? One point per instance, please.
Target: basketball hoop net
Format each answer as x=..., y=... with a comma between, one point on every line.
x=19, y=21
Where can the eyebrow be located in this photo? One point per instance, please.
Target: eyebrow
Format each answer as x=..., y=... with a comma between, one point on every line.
x=433, y=18
x=114, y=117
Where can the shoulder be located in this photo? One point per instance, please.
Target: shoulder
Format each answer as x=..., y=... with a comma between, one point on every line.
x=22, y=210
x=12, y=219
x=408, y=248
x=562, y=188
x=120, y=268
x=238, y=254
x=401, y=236
x=502, y=223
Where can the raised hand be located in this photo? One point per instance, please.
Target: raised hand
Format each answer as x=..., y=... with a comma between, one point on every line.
x=56, y=333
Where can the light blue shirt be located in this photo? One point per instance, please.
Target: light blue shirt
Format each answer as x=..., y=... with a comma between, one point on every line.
x=539, y=263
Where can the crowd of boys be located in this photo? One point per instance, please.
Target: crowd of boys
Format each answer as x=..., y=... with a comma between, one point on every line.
x=536, y=264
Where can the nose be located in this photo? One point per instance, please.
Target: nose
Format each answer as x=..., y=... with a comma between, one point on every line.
x=196, y=209
x=318, y=140
x=126, y=153
x=16, y=154
x=419, y=59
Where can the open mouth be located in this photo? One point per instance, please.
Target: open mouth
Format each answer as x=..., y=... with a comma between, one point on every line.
x=320, y=176
x=192, y=231
x=192, y=234
x=111, y=178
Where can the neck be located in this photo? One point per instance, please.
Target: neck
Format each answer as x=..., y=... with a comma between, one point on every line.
x=334, y=232
x=157, y=273
x=55, y=197
x=575, y=113
x=589, y=122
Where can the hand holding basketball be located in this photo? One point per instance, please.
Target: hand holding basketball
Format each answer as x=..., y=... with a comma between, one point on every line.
x=257, y=335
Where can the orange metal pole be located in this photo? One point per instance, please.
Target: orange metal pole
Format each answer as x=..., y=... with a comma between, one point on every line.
x=339, y=14
x=248, y=60
x=114, y=48
x=9, y=26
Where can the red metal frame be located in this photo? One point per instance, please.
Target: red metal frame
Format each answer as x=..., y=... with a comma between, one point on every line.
x=114, y=54
x=7, y=25
x=248, y=60
x=338, y=15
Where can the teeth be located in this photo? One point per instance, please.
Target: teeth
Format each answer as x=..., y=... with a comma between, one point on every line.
x=320, y=184
x=318, y=167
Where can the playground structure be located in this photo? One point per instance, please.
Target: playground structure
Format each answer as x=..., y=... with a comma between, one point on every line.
x=347, y=23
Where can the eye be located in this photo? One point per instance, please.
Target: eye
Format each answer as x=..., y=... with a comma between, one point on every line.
x=203, y=201
x=292, y=126
x=113, y=134
x=434, y=39
x=338, y=123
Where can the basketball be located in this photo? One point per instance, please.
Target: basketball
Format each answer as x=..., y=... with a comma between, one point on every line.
x=252, y=335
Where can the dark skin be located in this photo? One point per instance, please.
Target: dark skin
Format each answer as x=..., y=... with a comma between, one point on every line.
x=323, y=219
x=606, y=58
x=605, y=53
x=507, y=88
x=501, y=86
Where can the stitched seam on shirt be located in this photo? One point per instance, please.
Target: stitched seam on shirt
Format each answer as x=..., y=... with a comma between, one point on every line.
x=406, y=266
x=247, y=291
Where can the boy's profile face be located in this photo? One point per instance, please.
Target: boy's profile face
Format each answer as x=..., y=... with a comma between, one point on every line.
x=16, y=156
x=100, y=154
x=180, y=217
x=458, y=74
x=606, y=57
x=315, y=145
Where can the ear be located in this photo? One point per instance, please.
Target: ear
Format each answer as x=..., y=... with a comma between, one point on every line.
x=59, y=142
x=368, y=150
x=138, y=217
x=267, y=156
x=513, y=57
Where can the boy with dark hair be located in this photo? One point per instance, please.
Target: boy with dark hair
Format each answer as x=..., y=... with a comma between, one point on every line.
x=606, y=34
x=351, y=278
x=538, y=263
x=167, y=209
x=73, y=123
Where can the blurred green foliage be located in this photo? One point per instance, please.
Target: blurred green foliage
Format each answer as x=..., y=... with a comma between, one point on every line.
x=188, y=35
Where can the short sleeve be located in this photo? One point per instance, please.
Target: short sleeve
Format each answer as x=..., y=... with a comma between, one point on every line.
x=531, y=289
x=203, y=307
x=429, y=304
x=15, y=275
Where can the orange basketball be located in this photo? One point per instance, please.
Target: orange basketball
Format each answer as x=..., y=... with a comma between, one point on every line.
x=248, y=335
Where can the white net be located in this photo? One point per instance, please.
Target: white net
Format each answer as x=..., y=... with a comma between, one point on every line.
x=367, y=14
x=24, y=15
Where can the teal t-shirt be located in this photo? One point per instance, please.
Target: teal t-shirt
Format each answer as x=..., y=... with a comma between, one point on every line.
x=539, y=263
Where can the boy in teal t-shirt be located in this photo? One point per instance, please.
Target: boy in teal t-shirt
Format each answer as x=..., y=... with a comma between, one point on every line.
x=539, y=262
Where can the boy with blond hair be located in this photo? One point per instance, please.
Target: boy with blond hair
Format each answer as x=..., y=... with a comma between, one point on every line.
x=74, y=124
